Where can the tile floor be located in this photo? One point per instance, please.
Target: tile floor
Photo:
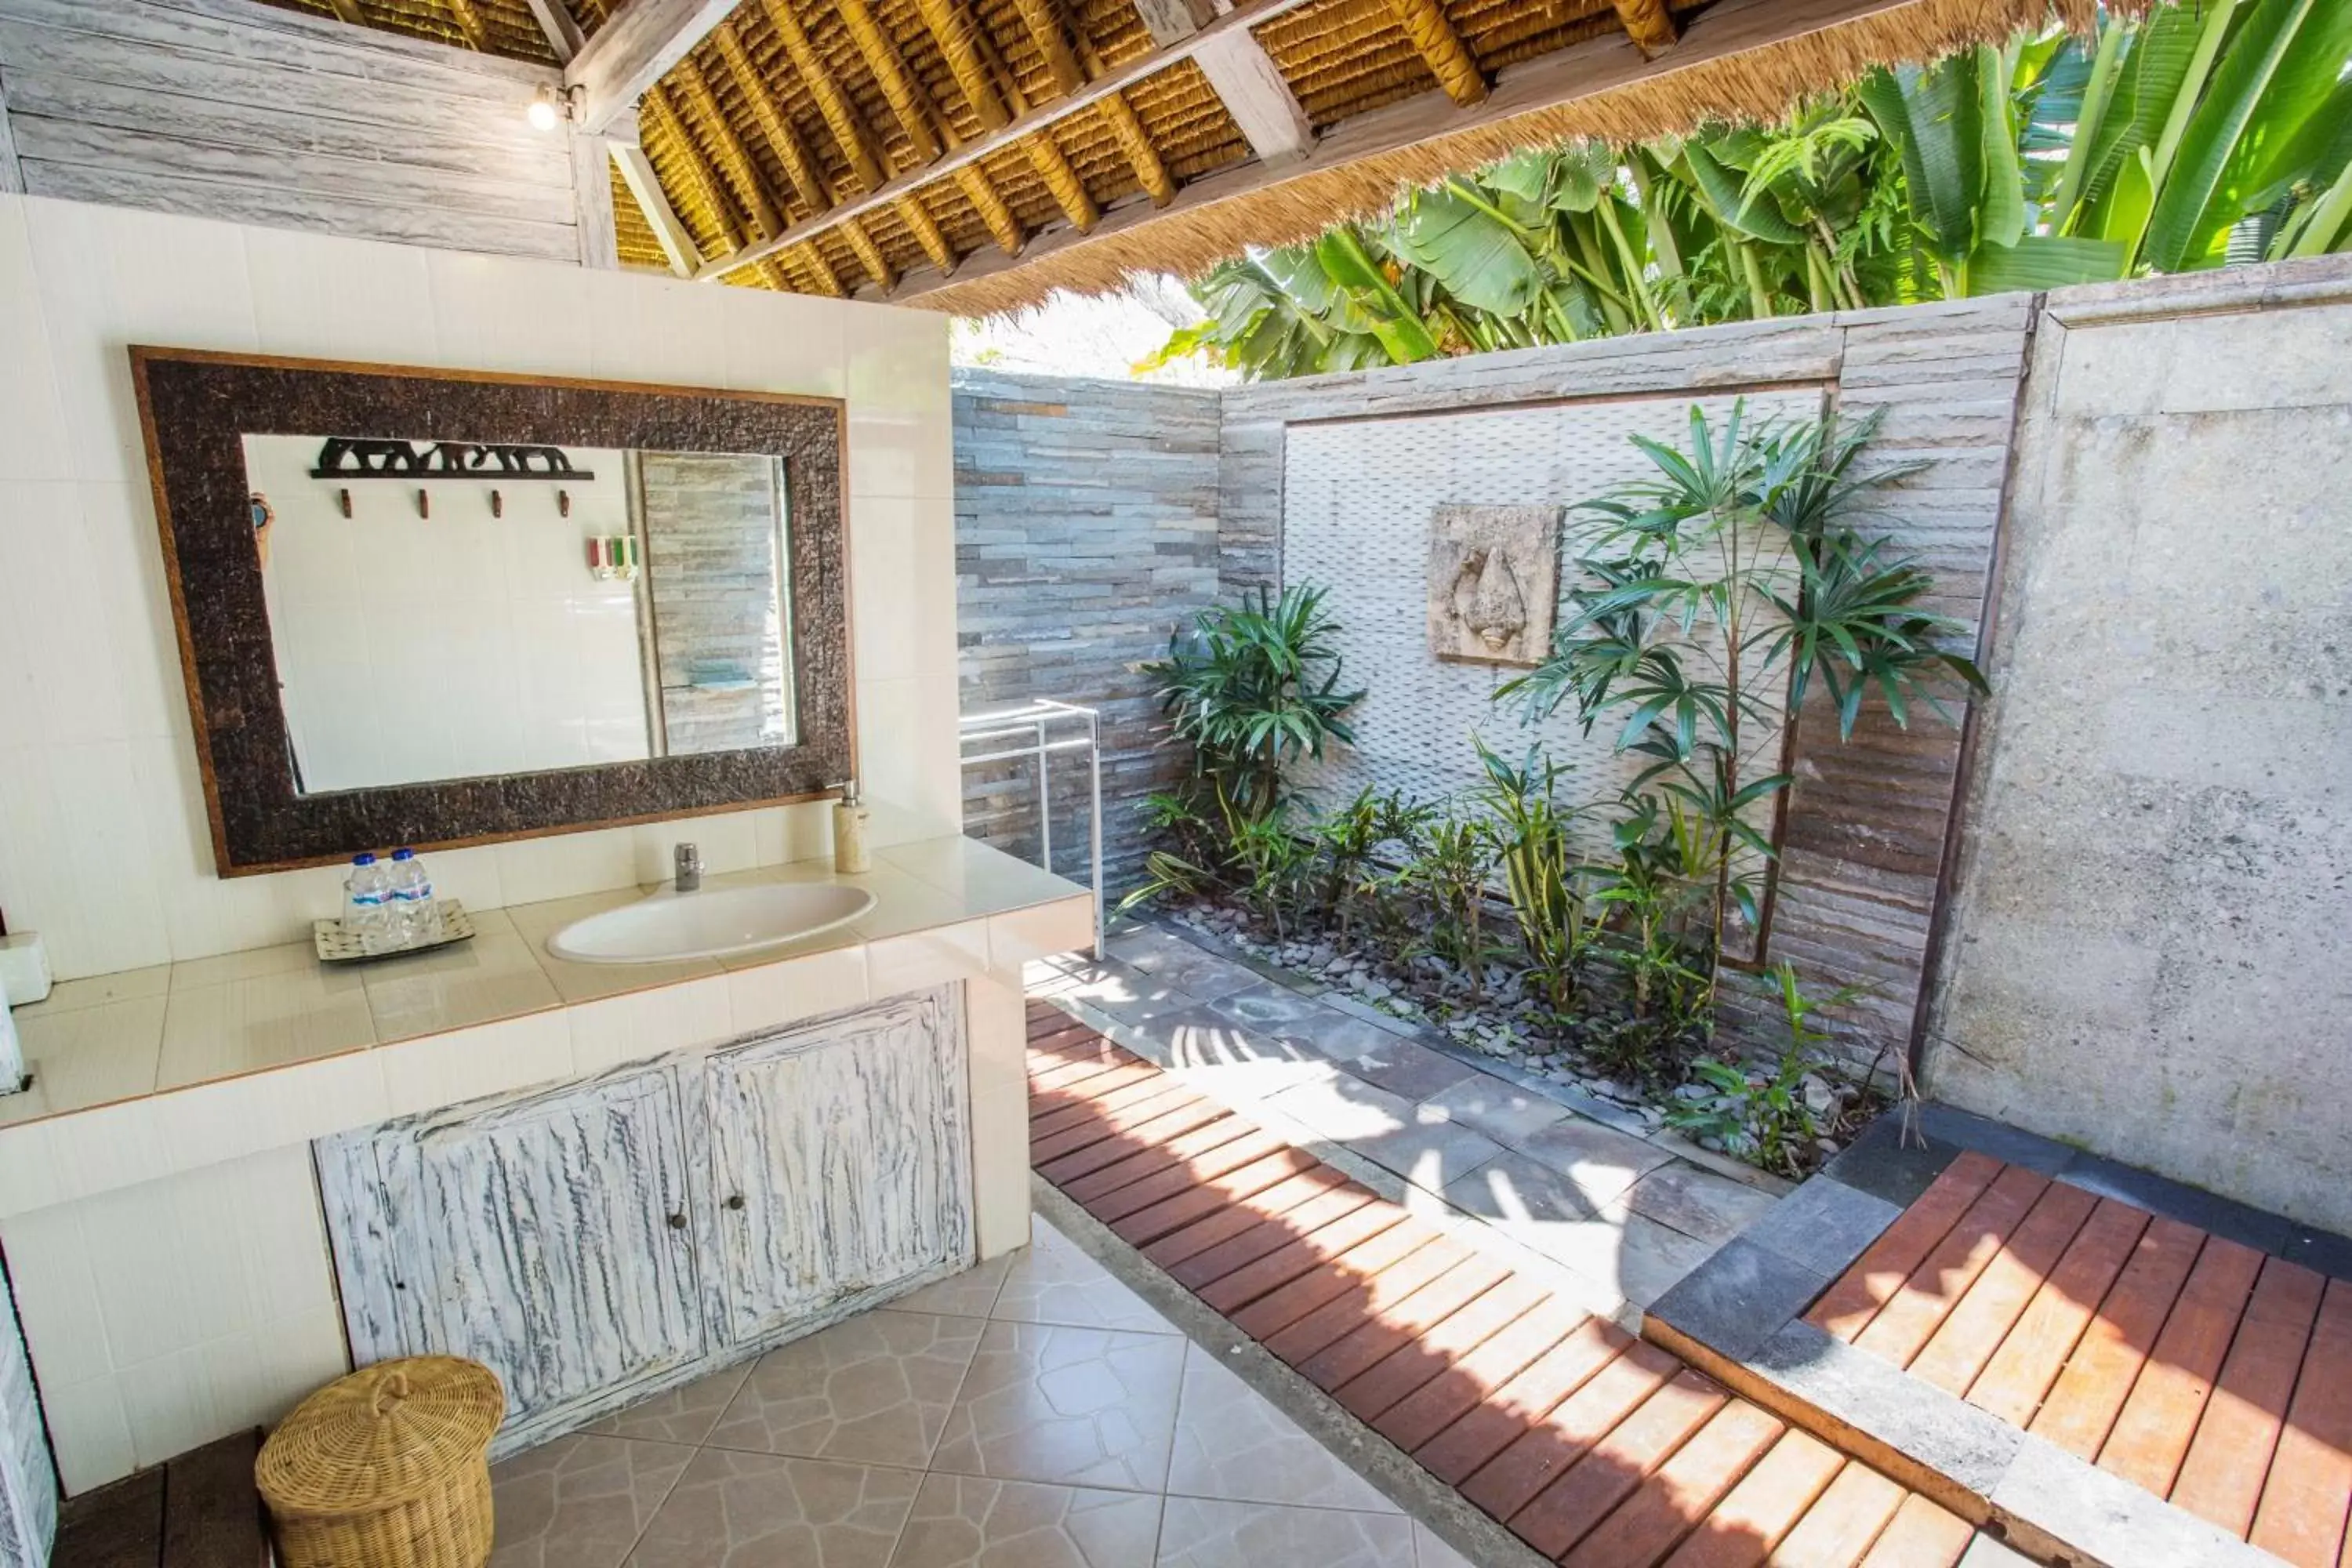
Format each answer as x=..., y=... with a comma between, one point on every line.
x=1032, y=1413
x=1617, y=1207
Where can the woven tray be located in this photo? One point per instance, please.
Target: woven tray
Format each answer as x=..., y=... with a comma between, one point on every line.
x=337, y=945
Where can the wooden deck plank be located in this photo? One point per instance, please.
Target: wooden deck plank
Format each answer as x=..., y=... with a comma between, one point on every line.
x=2307, y=1498
x=1913, y=1314
x=2082, y=1408
x=1066, y=1130
x=1198, y=1175
x=1434, y=1349
x=1328, y=1281
x=1077, y=1076
x=1234, y=1218
x=1228, y=1293
x=118, y=1525
x=1764, y=1507
x=1213, y=1247
x=1161, y=1134
x=1682, y=1493
x=1074, y=1045
x=1368, y=1300
x=1923, y=1534
x=1368, y=1341
x=1544, y=1451
x=1846, y=1308
x=1149, y=1224
x=1967, y=1338
x=1489, y=1429
x=1615, y=1468
x=2221, y=1477
x=1120, y=1089
x=1487, y=1372
x=2022, y=1371
x=1178, y=1152
x=211, y=1510
x=1843, y=1525
x=2152, y=1433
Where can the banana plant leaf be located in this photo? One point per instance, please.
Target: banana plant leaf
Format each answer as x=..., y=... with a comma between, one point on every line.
x=2044, y=261
x=1934, y=117
x=1481, y=261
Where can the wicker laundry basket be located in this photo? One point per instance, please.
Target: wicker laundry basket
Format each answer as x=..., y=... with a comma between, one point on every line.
x=386, y=1469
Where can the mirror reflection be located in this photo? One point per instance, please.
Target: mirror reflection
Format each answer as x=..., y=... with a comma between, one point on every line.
x=446, y=610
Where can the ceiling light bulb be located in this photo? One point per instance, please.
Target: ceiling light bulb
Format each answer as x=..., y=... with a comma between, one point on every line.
x=542, y=112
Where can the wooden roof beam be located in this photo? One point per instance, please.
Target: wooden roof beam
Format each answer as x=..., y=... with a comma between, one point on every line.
x=956, y=32
x=348, y=11
x=674, y=238
x=634, y=51
x=1243, y=77
x=1649, y=24
x=1045, y=153
x=470, y=23
x=564, y=39
x=961, y=158
x=900, y=88
x=914, y=114
x=841, y=116
x=767, y=218
x=1586, y=69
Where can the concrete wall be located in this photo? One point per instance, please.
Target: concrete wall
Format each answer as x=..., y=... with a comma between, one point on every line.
x=2147, y=946
x=1085, y=532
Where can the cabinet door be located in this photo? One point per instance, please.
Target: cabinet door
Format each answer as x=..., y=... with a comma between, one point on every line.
x=548, y=1236
x=840, y=1154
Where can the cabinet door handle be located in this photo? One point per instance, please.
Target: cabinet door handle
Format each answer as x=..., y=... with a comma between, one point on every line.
x=735, y=1201
x=678, y=1222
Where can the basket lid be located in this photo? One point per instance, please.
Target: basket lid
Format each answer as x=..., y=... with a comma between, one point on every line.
x=381, y=1436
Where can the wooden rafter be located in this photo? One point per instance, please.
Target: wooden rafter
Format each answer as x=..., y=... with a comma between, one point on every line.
x=1243, y=76
x=1649, y=24
x=1441, y=48
x=734, y=158
x=674, y=238
x=1043, y=152
x=564, y=39
x=915, y=116
x=470, y=23
x=348, y=11
x=841, y=117
x=665, y=117
x=634, y=51
x=957, y=35
x=1073, y=69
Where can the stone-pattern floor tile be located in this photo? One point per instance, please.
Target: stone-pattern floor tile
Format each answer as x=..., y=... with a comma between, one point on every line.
x=580, y=1501
x=876, y=1389
x=1487, y=1104
x=1698, y=1202
x=1078, y=1406
x=1629, y=1254
x=967, y=1522
x=1233, y=1444
x=684, y=1414
x=1268, y=1006
x=1389, y=1129
x=1056, y=1282
x=966, y=1295
x=1402, y=1068
x=1195, y=1532
x=1428, y=1551
x=1601, y=1161
x=764, y=1510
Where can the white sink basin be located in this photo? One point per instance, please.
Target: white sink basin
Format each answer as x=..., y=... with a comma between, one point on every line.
x=715, y=923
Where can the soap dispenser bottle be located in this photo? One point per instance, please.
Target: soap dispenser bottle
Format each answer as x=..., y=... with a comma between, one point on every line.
x=850, y=856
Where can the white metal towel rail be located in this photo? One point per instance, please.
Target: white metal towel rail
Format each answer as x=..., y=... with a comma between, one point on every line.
x=1035, y=724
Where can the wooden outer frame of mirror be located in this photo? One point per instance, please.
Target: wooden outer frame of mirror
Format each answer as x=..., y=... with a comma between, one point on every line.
x=196, y=407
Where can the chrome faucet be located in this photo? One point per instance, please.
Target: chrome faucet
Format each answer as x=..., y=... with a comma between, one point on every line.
x=689, y=868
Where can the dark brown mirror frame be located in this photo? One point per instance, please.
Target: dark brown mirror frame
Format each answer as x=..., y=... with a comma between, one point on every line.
x=196, y=409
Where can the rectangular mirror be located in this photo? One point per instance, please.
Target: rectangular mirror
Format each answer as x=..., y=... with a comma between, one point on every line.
x=536, y=606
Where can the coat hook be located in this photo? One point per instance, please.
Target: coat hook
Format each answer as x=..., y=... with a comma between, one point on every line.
x=423, y=504
x=563, y=503
x=498, y=504
x=344, y=498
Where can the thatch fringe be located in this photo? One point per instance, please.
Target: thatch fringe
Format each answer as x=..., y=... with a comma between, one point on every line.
x=1761, y=84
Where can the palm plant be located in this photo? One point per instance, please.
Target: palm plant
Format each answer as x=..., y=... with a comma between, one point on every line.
x=1728, y=573
x=1252, y=689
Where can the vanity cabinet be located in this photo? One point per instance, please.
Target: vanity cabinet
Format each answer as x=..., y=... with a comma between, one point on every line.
x=600, y=1240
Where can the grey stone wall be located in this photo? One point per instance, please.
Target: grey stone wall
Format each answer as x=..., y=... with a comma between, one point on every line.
x=713, y=539
x=2145, y=950
x=1085, y=531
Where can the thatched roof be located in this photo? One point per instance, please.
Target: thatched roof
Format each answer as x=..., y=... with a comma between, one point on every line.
x=973, y=154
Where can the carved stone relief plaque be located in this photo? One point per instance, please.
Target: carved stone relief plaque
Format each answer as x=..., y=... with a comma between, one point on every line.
x=1494, y=582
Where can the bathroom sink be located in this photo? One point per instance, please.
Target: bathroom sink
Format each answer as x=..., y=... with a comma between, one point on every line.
x=714, y=923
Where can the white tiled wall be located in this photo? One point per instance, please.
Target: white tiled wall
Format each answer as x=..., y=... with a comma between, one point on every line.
x=104, y=845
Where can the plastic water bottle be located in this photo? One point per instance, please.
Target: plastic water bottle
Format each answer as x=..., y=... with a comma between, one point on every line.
x=416, y=918
x=367, y=905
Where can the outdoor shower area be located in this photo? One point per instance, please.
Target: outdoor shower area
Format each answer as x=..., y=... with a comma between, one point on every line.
x=2094, y=902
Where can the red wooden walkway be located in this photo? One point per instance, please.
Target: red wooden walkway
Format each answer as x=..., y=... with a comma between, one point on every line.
x=1594, y=1448
x=2202, y=1370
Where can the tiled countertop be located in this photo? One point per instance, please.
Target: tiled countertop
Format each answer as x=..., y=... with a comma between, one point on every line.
x=110, y=1052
